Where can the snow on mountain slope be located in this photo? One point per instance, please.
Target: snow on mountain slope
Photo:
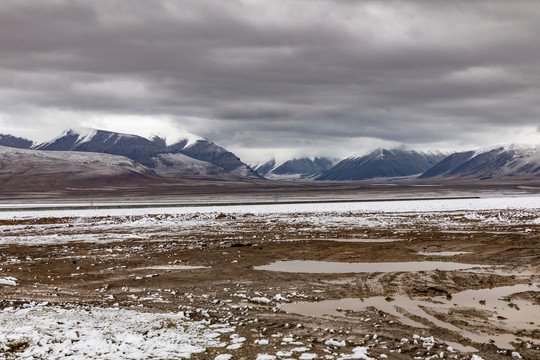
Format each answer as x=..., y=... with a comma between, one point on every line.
x=7, y=153
x=206, y=150
x=265, y=168
x=492, y=162
x=173, y=164
x=72, y=138
x=187, y=137
x=22, y=169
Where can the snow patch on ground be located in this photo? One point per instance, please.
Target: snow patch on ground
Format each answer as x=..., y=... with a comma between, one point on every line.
x=95, y=333
x=10, y=280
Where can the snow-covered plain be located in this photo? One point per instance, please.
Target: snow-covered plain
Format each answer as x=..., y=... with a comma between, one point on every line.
x=402, y=206
x=108, y=225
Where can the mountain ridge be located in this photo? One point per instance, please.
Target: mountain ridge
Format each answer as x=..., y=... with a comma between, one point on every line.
x=193, y=155
x=493, y=162
x=382, y=163
x=294, y=169
x=15, y=141
x=151, y=153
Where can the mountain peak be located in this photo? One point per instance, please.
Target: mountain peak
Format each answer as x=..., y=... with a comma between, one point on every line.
x=84, y=134
x=382, y=163
x=191, y=139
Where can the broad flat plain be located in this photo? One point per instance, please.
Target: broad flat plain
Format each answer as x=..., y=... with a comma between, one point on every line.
x=204, y=261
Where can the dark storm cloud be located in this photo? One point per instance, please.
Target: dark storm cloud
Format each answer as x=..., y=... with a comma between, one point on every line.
x=289, y=72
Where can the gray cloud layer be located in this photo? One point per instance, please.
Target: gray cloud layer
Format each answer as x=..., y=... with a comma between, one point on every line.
x=294, y=75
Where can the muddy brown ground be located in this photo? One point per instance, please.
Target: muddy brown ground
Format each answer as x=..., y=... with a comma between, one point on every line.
x=140, y=274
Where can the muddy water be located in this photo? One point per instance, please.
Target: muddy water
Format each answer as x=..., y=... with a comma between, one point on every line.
x=443, y=253
x=325, y=267
x=362, y=240
x=507, y=316
x=173, y=267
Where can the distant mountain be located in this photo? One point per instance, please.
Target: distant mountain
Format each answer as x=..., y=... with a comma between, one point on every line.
x=205, y=150
x=171, y=164
x=15, y=142
x=265, y=168
x=35, y=170
x=99, y=141
x=382, y=163
x=155, y=154
x=496, y=162
x=294, y=169
x=448, y=164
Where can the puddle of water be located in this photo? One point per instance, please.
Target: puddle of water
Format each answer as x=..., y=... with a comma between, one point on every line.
x=363, y=240
x=173, y=267
x=459, y=347
x=322, y=267
x=523, y=315
x=479, y=232
x=340, y=281
x=443, y=253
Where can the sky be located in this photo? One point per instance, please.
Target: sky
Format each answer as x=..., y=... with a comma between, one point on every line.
x=276, y=78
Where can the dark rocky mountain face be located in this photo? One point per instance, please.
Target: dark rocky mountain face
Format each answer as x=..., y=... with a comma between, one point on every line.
x=265, y=168
x=208, y=151
x=304, y=166
x=15, y=142
x=484, y=165
x=448, y=164
x=295, y=168
x=382, y=163
x=159, y=141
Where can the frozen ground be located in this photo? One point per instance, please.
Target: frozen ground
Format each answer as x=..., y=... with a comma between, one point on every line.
x=106, y=225
x=182, y=282
x=476, y=204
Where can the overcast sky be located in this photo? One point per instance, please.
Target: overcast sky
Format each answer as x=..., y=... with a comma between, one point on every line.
x=280, y=78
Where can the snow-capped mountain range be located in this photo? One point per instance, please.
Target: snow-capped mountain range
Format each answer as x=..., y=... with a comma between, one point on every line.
x=494, y=162
x=110, y=154
x=303, y=168
x=192, y=155
x=382, y=163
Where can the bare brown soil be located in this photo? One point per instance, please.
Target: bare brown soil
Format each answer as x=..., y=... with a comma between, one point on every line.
x=64, y=188
x=140, y=274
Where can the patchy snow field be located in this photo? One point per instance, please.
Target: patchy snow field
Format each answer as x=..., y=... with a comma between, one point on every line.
x=399, y=206
x=182, y=282
x=105, y=225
